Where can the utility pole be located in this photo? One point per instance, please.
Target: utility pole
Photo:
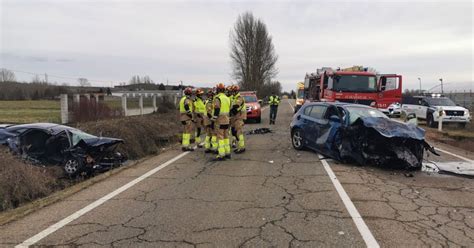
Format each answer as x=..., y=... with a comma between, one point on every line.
x=46, y=77
x=419, y=80
x=441, y=80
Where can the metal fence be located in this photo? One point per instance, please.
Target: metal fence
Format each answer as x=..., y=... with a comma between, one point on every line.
x=464, y=98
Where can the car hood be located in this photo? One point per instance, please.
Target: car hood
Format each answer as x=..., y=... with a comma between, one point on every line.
x=454, y=108
x=252, y=104
x=390, y=129
x=100, y=141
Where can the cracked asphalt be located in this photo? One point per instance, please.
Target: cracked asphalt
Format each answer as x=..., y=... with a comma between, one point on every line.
x=270, y=196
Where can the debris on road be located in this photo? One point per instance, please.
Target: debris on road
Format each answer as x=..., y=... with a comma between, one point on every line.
x=454, y=167
x=74, y=150
x=271, y=161
x=262, y=130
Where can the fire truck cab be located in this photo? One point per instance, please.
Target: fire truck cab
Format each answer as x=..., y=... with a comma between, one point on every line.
x=354, y=85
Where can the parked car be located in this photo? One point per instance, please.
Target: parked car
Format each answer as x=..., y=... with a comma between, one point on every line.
x=354, y=132
x=393, y=110
x=252, y=104
x=429, y=108
x=53, y=144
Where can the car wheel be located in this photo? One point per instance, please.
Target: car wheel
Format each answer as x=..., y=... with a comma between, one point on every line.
x=72, y=167
x=430, y=121
x=297, y=139
x=258, y=120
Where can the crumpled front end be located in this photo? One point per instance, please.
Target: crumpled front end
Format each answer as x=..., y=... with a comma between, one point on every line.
x=380, y=141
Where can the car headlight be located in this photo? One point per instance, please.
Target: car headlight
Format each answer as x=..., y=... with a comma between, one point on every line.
x=466, y=113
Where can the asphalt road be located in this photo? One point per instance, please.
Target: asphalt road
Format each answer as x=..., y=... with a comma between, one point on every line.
x=272, y=195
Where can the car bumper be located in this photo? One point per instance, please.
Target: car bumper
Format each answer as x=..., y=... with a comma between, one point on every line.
x=254, y=114
x=390, y=111
x=453, y=119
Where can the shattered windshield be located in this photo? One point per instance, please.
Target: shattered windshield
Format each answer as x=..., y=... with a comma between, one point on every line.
x=356, y=112
x=78, y=136
x=354, y=83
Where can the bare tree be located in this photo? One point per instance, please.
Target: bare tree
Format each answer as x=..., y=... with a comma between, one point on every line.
x=83, y=82
x=252, y=53
x=7, y=75
x=36, y=79
x=135, y=80
x=147, y=80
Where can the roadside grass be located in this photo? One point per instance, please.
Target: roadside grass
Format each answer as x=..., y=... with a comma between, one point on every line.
x=28, y=111
x=452, y=135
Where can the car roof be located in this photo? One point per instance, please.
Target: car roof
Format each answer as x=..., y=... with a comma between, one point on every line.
x=52, y=127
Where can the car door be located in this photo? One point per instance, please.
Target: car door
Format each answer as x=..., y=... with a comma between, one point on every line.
x=315, y=121
x=422, y=109
x=305, y=122
x=328, y=126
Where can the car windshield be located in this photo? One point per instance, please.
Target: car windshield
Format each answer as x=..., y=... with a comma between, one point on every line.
x=444, y=101
x=354, y=83
x=250, y=98
x=78, y=136
x=356, y=112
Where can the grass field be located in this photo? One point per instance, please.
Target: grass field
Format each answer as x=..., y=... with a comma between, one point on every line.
x=30, y=111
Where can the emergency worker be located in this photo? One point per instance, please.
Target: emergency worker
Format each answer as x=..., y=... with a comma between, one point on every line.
x=232, y=138
x=239, y=112
x=221, y=122
x=274, y=101
x=186, y=117
x=199, y=113
x=210, y=142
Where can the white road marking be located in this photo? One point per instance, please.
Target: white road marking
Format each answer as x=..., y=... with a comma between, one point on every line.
x=53, y=228
x=455, y=155
x=292, y=108
x=359, y=222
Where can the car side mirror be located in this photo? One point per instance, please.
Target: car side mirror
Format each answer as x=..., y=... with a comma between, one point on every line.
x=260, y=101
x=335, y=118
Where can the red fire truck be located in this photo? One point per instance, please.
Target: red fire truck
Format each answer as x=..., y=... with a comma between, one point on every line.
x=356, y=84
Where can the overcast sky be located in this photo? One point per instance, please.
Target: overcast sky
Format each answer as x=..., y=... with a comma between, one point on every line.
x=110, y=41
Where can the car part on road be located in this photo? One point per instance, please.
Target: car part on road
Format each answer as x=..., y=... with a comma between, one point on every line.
x=262, y=130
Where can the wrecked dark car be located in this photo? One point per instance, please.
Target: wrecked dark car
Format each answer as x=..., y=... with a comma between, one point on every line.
x=353, y=132
x=52, y=144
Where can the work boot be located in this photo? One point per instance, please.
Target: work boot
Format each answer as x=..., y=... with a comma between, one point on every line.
x=237, y=151
x=227, y=156
x=190, y=149
x=207, y=151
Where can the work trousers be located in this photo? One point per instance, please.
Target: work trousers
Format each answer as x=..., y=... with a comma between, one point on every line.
x=273, y=112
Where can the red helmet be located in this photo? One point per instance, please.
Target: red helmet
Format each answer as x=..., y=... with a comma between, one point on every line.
x=199, y=92
x=188, y=91
x=220, y=87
